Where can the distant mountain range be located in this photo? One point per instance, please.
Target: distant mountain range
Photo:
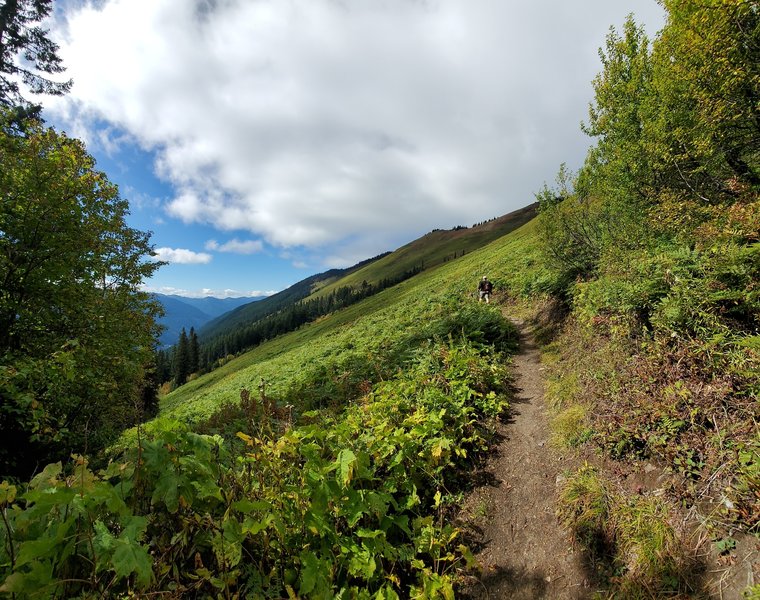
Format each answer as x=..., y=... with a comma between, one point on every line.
x=245, y=315
x=192, y=312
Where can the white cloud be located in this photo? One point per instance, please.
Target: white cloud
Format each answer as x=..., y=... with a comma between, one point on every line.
x=205, y=292
x=314, y=122
x=182, y=256
x=236, y=246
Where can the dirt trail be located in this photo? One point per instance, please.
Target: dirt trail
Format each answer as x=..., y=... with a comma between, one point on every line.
x=524, y=552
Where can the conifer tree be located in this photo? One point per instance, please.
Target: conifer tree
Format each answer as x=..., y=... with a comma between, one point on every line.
x=194, y=351
x=20, y=34
x=181, y=359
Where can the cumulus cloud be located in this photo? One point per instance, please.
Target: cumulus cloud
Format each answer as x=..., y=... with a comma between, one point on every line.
x=236, y=246
x=182, y=256
x=314, y=122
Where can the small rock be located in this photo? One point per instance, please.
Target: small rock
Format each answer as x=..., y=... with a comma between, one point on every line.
x=649, y=467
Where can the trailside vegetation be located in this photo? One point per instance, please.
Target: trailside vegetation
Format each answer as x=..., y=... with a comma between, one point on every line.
x=654, y=248
x=350, y=502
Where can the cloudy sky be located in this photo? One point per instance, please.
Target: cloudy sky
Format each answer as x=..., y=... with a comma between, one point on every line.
x=262, y=141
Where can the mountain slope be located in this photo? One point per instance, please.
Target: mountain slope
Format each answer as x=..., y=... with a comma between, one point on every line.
x=332, y=357
x=182, y=312
x=431, y=250
x=251, y=312
x=434, y=249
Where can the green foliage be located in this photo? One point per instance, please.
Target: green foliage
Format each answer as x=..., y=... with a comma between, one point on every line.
x=707, y=78
x=745, y=488
x=575, y=232
x=570, y=427
x=347, y=505
x=584, y=508
x=75, y=331
x=616, y=169
x=603, y=206
x=655, y=244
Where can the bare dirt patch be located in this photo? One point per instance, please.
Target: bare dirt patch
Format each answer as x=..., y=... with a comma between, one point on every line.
x=521, y=547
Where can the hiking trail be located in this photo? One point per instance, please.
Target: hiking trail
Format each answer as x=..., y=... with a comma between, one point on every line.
x=524, y=552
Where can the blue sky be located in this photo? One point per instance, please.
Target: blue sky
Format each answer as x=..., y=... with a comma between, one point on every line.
x=262, y=142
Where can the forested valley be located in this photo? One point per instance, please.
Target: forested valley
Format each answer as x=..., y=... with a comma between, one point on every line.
x=330, y=459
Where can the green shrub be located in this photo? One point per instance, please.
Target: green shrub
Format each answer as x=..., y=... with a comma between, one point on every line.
x=345, y=504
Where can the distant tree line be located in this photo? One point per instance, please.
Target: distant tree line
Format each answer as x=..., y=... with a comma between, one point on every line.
x=484, y=222
x=453, y=256
x=189, y=356
x=182, y=360
x=461, y=227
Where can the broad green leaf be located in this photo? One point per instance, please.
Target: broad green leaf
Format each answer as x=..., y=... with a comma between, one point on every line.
x=103, y=540
x=7, y=493
x=346, y=462
x=227, y=543
x=131, y=558
x=309, y=572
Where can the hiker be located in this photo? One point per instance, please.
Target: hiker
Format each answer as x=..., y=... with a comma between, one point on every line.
x=485, y=288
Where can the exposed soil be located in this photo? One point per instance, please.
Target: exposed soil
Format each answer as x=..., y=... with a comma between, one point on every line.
x=511, y=518
x=523, y=550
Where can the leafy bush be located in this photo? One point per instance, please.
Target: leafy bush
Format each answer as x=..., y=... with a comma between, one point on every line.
x=349, y=504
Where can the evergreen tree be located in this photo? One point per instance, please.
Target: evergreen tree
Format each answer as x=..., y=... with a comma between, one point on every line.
x=163, y=366
x=181, y=359
x=20, y=34
x=194, y=351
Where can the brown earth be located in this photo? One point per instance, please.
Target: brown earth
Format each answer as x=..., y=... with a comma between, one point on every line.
x=522, y=549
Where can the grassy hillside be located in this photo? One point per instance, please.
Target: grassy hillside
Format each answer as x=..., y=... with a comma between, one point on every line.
x=254, y=311
x=348, y=494
x=360, y=334
x=433, y=249
x=326, y=293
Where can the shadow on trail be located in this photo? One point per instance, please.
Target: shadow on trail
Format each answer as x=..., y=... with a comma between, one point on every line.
x=605, y=570
x=515, y=584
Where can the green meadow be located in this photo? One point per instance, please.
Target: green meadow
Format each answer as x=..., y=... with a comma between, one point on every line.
x=370, y=333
